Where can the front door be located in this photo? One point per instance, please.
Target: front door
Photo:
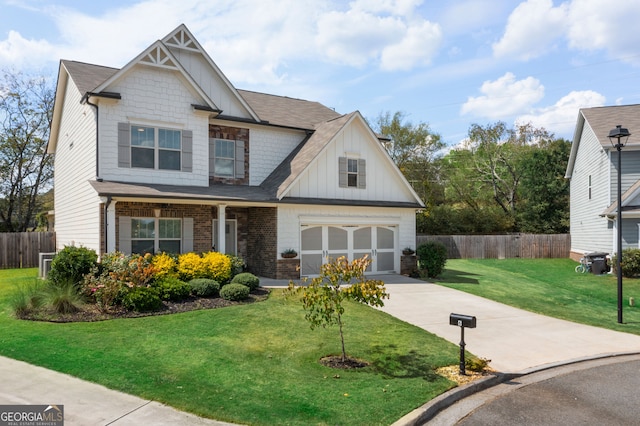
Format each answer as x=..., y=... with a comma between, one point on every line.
x=323, y=243
x=230, y=236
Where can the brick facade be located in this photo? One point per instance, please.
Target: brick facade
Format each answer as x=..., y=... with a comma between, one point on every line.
x=408, y=264
x=236, y=134
x=262, y=250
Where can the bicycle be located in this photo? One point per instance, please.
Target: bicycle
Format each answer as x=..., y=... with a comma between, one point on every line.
x=584, y=266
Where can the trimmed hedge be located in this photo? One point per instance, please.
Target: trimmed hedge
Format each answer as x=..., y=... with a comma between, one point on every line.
x=204, y=287
x=234, y=291
x=171, y=288
x=247, y=279
x=142, y=299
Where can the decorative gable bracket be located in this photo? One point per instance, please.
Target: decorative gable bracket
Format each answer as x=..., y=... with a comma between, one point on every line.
x=159, y=57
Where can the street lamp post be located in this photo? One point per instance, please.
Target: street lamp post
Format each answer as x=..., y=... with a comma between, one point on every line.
x=616, y=137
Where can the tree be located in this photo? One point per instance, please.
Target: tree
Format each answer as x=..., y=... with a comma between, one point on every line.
x=544, y=189
x=414, y=149
x=323, y=299
x=26, y=108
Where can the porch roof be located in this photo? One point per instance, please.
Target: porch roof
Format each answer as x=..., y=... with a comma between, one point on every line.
x=222, y=193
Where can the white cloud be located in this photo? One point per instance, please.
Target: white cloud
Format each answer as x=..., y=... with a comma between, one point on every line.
x=504, y=97
x=418, y=46
x=531, y=30
x=393, y=7
x=561, y=117
x=18, y=51
x=605, y=24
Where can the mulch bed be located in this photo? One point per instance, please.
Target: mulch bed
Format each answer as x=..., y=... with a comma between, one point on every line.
x=335, y=361
x=90, y=312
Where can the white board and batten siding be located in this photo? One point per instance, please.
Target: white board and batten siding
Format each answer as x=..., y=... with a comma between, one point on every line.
x=321, y=179
x=76, y=203
x=141, y=106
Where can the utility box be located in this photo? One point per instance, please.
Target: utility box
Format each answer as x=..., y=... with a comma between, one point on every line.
x=462, y=320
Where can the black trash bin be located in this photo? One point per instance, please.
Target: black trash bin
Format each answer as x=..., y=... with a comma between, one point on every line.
x=599, y=263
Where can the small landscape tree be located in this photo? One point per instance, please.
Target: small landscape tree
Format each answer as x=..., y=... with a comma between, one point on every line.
x=323, y=298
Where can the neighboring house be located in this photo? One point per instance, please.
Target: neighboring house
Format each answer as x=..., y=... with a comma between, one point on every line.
x=592, y=169
x=165, y=154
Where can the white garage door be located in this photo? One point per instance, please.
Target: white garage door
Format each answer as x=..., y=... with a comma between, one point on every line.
x=322, y=243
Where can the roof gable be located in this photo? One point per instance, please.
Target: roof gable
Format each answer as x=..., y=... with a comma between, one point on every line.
x=294, y=167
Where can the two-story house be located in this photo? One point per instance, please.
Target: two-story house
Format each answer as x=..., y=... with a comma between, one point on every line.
x=593, y=170
x=165, y=154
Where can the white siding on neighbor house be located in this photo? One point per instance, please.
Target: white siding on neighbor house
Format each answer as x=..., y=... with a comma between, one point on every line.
x=210, y=82
x=589, y=231
x=268, y=147
x=154, y=97
x=76, y=204
x=290, y=217
x=383, y=182
x=630, y=170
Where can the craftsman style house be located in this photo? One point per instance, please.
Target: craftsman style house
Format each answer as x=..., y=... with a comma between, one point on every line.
x=165, y=154
x=593, y=170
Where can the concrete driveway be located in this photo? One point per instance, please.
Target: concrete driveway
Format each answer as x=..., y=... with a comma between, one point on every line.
x=513, y=339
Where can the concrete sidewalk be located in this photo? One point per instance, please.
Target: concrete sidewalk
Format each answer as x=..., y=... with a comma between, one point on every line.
x=85, y=403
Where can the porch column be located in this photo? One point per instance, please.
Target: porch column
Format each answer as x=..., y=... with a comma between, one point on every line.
x=111, y=227
x=222, y=220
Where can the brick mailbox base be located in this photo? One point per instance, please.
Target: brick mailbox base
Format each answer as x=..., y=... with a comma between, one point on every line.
x=408, y=264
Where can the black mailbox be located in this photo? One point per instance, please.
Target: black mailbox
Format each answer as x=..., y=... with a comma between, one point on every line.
x=462, y=320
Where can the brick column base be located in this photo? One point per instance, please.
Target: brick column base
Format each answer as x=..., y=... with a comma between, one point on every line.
x=408, y=264
x=288, y=269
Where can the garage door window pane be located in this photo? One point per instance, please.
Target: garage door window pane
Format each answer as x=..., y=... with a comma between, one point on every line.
x=337, y=238
x=312, y=238
x=362, y=239
x=385, y=238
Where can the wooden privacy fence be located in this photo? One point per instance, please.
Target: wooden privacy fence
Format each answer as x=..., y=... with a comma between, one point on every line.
x=21, y=249
x=531, y=246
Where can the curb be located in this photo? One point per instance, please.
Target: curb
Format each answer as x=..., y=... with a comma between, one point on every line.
x=428, y=411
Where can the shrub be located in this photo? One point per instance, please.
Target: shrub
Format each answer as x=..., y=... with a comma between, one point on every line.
x=432, y=257
x=171, y=288
x=71, y=264
x=63, y=297
x=132, y=270
x=204, y=287
x=104, y=291
x=142, y=299
x=247, y=279
x=27, y=298
x=234, y=291
x=191, y=266
x=164, y=264
x=630, y=262
x=218, y=266
x=237, y=264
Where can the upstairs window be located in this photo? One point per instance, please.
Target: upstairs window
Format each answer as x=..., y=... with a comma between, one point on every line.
x=352, y=173
x=157, y=148
x=154, y=148
x=225, y=157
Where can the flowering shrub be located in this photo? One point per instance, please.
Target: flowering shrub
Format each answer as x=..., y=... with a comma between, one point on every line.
x=190, y=266
x=165, y=265
x=218, y=266
x=133, y=270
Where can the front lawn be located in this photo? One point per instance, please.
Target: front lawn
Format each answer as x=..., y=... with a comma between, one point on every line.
x=251, y=364
x=549, y=287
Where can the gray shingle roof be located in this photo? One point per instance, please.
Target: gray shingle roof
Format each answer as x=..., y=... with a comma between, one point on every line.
x=603, y=119
x=276, y=110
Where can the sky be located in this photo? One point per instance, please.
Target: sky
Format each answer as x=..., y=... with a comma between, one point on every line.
x=449, y=64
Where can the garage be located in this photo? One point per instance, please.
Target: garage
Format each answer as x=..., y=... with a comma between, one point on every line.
x=321, y=243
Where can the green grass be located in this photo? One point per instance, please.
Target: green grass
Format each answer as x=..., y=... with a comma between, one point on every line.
x=549, y=287
x=251, y=364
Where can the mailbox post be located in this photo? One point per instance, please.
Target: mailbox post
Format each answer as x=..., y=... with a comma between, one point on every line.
x=462, y=321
